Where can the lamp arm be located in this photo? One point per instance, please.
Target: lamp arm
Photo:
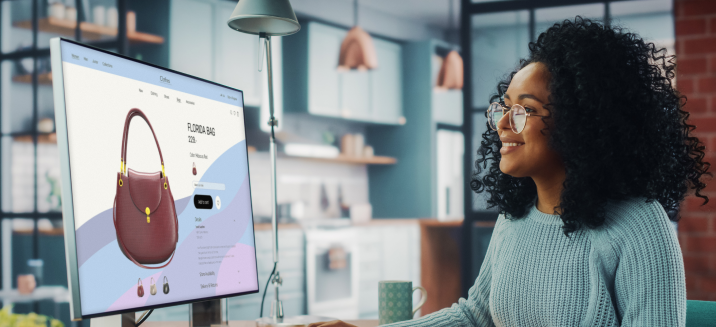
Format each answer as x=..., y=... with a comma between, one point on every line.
x=273, y=122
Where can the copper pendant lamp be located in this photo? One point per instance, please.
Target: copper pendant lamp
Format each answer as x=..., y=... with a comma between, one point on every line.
x=451, y=70
x=357, y=49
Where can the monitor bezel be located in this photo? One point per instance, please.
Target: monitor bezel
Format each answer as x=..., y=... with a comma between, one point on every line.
x=68, y=205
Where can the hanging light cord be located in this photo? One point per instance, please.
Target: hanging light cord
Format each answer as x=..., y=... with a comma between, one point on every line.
x=355, y=12
x=451, y=21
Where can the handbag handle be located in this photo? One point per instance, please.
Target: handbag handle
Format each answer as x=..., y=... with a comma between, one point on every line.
x=139, y=282
x=123, y=158
x=166, y=281
x=151, y=282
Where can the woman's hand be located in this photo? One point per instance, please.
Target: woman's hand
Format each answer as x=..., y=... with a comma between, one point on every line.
x=334, y=323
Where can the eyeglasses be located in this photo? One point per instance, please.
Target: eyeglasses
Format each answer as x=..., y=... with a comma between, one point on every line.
x=518, y=116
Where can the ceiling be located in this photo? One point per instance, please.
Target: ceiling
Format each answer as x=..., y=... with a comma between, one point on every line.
x=435, y=13
x=429, y=12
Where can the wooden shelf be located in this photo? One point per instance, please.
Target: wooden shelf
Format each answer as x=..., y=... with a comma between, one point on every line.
x=41, y=138
x=90, y=31
x=42, y=79
x=374, y=160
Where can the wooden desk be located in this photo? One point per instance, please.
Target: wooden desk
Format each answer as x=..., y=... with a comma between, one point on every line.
x=245, y=323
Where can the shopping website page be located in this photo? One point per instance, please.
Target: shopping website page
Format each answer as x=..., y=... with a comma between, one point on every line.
x=160, y=184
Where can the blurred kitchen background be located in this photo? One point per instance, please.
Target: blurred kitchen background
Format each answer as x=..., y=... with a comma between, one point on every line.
x=373, y=164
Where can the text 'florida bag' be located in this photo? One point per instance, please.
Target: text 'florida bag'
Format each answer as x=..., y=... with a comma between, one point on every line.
x=144, y=215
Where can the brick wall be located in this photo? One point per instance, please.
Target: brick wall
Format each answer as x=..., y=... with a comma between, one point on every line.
x=696, y=78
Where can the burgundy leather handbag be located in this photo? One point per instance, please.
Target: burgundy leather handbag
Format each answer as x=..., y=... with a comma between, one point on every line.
x=140, y=288
x=145, y=218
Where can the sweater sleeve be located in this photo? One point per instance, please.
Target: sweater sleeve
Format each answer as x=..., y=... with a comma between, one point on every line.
x=649, y=283
x=473, y=311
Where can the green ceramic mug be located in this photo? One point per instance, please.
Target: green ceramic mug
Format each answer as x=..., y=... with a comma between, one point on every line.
x=395, y=300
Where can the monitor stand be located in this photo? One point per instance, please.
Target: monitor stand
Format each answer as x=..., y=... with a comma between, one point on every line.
x=120, y=320
x=202, y=314
x=209, y=313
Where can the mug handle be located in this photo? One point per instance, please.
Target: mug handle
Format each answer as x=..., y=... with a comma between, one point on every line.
x=423, y=298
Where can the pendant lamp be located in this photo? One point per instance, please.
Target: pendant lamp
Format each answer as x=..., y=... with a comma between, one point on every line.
x=451, y=71
x=357, y=49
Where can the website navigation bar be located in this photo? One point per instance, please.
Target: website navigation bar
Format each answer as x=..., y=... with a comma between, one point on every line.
x=108, y=63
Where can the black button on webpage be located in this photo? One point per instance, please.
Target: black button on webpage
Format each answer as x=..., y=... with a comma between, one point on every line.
x=203, y=201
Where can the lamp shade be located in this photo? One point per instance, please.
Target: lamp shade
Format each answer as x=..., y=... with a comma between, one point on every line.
x=273, y=17
x=451, y=71
x=357, y=51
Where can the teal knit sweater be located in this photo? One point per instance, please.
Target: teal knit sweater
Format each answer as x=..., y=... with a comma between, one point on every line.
x=627, y=272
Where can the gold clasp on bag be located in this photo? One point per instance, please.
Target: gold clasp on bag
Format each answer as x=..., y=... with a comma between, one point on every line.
x=165, y=176
x=147, y=211
x=121, y=168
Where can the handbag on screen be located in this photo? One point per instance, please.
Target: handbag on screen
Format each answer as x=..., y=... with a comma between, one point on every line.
x=152, y=287
x=144, y=215
x=140, y=288
x=166, y=285
x=193, y=168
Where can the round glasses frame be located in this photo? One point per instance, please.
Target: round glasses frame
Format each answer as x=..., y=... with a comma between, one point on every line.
x=517, y=124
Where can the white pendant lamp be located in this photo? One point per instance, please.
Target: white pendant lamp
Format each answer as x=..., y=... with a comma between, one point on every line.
x=357, y=49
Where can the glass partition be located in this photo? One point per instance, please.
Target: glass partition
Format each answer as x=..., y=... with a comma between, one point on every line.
x=16, y=26
x=546, y=17
x=54, y=18
x=651, y=19
x=499, y=40
x=16, y=95
x=18, y=175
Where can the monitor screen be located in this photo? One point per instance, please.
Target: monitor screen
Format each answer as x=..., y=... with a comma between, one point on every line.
x=157, y=203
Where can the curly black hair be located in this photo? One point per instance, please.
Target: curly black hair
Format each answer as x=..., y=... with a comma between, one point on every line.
x=617, y=124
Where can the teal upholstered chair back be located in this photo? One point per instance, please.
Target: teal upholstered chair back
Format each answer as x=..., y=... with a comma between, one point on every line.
x=700, y=313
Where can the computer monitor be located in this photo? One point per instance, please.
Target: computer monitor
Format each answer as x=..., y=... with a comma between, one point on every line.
x=155, y=184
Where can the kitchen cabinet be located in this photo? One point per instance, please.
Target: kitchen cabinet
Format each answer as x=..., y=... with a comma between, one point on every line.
x=394, y=190
x=447, y=107
x=323, y=81
x=446, y=104
x=236, y=56
x=388, y=252
x=387, y=83
x=201, y=44
x=190, y=50
x=450, y=151
x=292, y=270
x=313, y=85
x=356, y=101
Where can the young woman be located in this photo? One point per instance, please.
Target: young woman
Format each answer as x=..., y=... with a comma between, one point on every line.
x=587, y=151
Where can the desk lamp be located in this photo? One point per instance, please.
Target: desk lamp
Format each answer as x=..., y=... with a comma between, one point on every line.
x=267, y=18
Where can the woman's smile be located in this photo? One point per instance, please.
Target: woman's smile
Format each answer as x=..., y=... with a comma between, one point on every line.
x=510, y=147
